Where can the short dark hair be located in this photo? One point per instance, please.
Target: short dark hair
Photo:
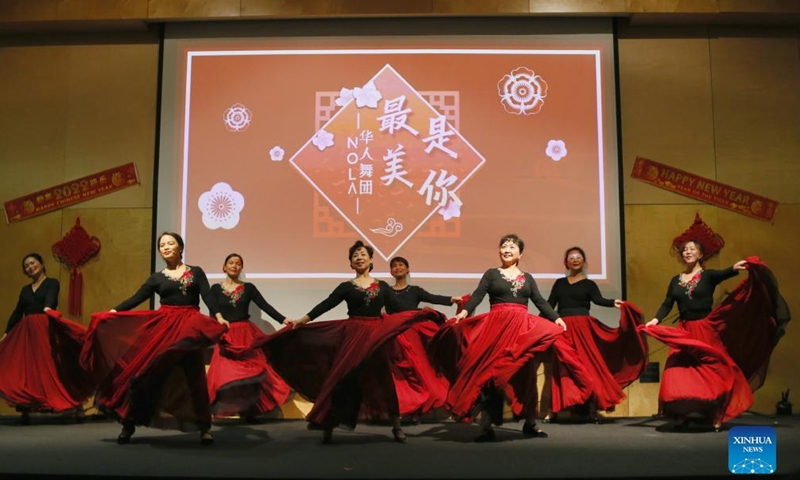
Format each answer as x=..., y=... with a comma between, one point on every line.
x=35, y=256
x=360, y=244
x=512, y=237
x=231, y=255
x=173, y=235
x=399, y=259
x=571, y=249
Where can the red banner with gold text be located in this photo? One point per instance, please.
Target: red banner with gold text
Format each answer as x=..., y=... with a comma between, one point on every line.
x=70, y=193
x=703, y=189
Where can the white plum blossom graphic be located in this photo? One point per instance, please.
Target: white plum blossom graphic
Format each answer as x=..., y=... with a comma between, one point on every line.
x=221, y=206
x=522, y=92
x=556, y=149
x=366, y=96
x=451, y=210
x=322, y=139
x=237, y=117
x=276, y=154
x=345, y=97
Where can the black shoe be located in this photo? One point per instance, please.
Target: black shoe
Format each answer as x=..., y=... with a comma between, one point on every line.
x=399, y=436
x=206, y=438
x=550, y=418
x=125, y=435
x=486, y=436
x=327, y=436
x=531, y=430
x=251, y=420
x=24, y=419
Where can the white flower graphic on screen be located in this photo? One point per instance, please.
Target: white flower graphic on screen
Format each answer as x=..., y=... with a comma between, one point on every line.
x=366, y=96
x=276, y=154
x=322, y=139
x=556, y=149
x=345, y=97
x=237, y=117
x=221, y=206
x=451, y=210
x=522, y=92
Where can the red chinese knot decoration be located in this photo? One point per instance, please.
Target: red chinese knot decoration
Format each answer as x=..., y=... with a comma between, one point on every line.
x=699, y=231
x=75, y=249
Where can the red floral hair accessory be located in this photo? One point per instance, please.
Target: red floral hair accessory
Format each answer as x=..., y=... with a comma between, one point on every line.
x=711, y=242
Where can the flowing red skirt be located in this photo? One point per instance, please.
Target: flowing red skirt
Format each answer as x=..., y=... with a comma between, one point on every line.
x=336, y=363
x=613, y=357
x=247, y=384
x=497, y=350
x=41, y=371
x=716, y=363
x=149, y=365
x=418, y=386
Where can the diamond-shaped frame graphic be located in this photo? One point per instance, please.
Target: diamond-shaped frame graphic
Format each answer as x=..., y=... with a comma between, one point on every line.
x=327, y=223
x=434, y=208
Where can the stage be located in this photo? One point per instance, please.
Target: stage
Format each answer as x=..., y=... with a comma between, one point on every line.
x=621, y=447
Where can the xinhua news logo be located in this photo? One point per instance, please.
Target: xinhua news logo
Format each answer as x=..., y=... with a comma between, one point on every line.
x=751, y=450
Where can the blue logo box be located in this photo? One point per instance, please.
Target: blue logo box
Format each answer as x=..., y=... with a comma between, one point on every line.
x=751, y=450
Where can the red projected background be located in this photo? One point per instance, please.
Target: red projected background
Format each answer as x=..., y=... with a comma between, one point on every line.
x=289, y=155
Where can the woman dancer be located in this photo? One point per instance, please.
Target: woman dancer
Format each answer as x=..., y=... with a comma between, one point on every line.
x=614, y=357
x=150, y=363
x=419, y=388
x=39, y=351
x=491, y=355
x=717, y=357
x=334, y=364
x=246, y=386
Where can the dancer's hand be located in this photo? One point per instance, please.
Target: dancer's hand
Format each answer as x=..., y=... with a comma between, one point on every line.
x=561, y=323
x=113, y=310
x=296, y=323
x=460, y=315
x=221, y=320
x=740, y=265
x=454, y=300
x=651, y=323
x=618, y=303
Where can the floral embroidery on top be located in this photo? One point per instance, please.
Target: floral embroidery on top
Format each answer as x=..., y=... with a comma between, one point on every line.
x=186, y=280
x=691, y=284
x=234, y=295
x=516, y=283
x=370, y=292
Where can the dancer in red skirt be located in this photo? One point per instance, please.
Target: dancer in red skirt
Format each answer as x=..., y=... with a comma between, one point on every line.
x=150, y=363
x=39, y=351
x=717, y=357
x=245, y=386
x=336, y=363
x=419, y=388
x=491, y=355
x=614, y=357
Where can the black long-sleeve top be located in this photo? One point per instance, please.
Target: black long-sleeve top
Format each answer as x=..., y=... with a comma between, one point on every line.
x=504, y=290
x=185, y=291
x=696, y=297
x=576, y=298
x=361, y=302
x=34, y=302
x=411, y=296
x=234, y=305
